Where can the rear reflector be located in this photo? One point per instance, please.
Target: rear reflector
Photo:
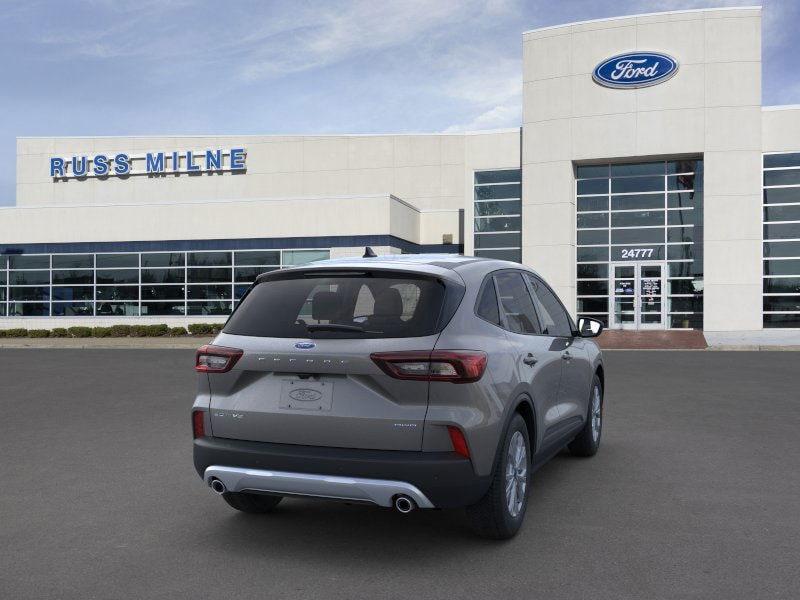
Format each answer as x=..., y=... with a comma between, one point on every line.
x=198, y=423
x=216, y=359
x=455, y=366
x=458, y=440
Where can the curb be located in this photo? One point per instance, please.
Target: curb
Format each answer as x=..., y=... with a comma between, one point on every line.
x=165, y=343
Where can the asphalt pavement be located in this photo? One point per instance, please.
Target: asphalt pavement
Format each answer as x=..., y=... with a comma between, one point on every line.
x=695, y=493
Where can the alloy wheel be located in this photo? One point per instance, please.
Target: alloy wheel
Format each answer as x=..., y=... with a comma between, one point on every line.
x=516, y=474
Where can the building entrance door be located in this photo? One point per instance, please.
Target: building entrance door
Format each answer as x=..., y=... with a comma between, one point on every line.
x=637, y=295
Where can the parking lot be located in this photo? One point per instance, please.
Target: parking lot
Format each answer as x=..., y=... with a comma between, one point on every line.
x=695, y=494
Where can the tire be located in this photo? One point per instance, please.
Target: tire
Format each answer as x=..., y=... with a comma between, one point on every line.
x=587, y=441
x=492, y=517
x=252, y=503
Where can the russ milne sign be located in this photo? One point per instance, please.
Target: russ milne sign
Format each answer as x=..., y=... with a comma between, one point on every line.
x=635, y=70
x=122, y=164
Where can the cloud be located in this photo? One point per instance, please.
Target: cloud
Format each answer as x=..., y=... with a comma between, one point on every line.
x=497, y=117
x=331, y=35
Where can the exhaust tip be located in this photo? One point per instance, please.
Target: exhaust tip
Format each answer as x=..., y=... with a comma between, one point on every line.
x=218, y=487
x=404, y=504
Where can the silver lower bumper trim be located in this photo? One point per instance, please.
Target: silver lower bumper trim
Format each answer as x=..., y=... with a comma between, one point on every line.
x=377, y=491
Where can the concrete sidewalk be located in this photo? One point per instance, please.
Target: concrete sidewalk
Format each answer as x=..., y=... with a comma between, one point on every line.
x=191, y=342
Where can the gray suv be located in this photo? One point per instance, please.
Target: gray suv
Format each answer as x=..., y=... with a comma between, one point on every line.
x=410, y=381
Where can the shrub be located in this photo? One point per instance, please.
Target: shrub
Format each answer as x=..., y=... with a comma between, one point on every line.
x=16, y=332
x=80, y=332
x=101, y=332
x=59, y=332
x=38, y=333
x=120, y=330
x=138, y=330
x=200, y=328
x=177, y=331
x=157, y=330
x=2, y=333
x=205, y=328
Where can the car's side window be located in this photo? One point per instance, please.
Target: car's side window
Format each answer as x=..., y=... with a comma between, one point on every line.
x=516, y=307
x=555, y=320
x=486, y=307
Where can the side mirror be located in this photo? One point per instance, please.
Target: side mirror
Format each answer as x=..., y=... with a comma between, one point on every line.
x=589, y=328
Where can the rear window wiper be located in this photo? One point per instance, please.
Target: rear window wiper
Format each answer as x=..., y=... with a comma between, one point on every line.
x=311, y=327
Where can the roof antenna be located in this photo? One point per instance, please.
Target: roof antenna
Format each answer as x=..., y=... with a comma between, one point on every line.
x=369, y=253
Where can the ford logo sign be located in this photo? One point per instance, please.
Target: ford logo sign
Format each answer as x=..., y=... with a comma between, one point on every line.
x=635, y=70
x=305, y=395
x=305, y=345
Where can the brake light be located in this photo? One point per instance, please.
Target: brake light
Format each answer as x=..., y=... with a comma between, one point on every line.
x=455, y=366
x=198, y=423
x=216, y=359
x=458, y=440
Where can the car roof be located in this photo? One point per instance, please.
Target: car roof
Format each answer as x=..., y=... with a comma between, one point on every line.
x=449, y=266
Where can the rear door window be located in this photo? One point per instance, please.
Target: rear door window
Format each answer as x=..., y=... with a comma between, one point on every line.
x=364, y=305
x=555, y=320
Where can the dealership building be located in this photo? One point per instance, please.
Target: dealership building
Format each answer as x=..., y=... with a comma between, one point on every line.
x=646, y=183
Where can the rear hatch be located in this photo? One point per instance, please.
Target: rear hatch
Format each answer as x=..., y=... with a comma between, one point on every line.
x=305, y=375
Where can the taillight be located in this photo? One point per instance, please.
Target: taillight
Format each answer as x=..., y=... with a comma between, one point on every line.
x=456, y=366
x=198, y=423
x=216, y=359
x=458, y=440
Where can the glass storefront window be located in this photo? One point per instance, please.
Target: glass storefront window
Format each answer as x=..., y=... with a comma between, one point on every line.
x=29, y=277
x=64, y=277
x=113, y=261
x=117, y=276
x=781, y=214
x=70, y=292
x=108, y=284
x=303, y=257
x=163, y=259
x=257, y=257
x=209, y=259
x=640, y=212
x=72, y=309
x=29, y=261
x=73, y=261
x=497, y=209
x=163, y=276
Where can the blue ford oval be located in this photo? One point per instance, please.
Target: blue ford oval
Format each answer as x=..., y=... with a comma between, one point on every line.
x=305, y=345
x=635, y=70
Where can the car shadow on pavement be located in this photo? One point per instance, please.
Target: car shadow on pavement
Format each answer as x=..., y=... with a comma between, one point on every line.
x=336, y=531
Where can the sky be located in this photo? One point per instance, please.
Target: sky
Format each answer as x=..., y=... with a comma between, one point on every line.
x=171, y=67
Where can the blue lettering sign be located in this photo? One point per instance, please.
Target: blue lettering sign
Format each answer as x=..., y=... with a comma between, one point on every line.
x=237, y=159
x=56, y=167
x=79, y=166
x=190, y=166
x=213, y=160
x=100, y=163
x=154, y=163
x=122, y=166
x=635, y=70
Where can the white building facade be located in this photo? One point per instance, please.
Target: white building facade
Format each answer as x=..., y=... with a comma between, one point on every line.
x=647, y=184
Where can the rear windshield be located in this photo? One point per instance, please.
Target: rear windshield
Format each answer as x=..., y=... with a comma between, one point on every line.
x=362, y=305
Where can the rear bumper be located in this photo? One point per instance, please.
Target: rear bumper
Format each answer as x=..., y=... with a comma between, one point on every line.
x=446, y=479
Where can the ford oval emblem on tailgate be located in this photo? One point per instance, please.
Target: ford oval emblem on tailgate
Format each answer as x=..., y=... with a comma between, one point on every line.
x=305, y=395
x=305, y=345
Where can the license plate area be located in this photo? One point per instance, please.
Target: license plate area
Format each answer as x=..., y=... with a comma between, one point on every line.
x=304, y=394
